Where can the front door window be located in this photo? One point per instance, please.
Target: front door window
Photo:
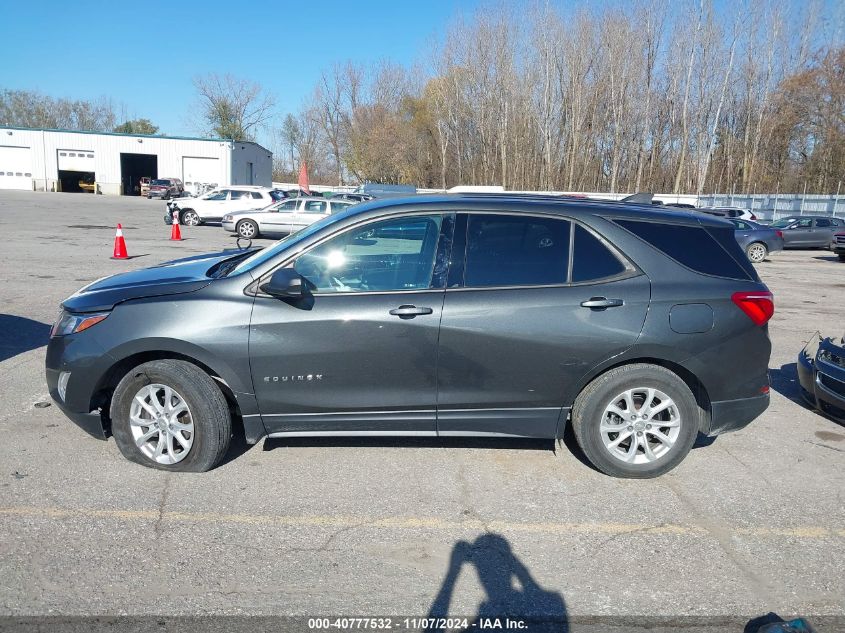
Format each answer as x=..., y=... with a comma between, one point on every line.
x=390, y=255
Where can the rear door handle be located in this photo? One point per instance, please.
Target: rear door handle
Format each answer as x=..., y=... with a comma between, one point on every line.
x=600, y=303
x=409, y=311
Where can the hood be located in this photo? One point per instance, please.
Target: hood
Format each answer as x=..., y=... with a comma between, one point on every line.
x=170, y=278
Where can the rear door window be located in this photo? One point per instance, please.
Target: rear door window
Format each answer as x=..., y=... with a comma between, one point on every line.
x=591, y=259
x=504, y=250
x=823, y=223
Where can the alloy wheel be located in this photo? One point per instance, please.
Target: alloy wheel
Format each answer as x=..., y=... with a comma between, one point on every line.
x=161, y=424
x=246, y=229
x=190, y=218
x=756, y=253
x=640, y=425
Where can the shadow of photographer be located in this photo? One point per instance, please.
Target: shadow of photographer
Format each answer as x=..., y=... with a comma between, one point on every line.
x=511, y=592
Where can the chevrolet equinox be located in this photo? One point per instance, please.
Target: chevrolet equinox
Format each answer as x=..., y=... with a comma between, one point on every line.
x=458, y=315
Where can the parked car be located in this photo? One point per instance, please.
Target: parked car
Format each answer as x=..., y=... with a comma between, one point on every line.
x=837, y=245
x=378, y=190
x=352, y=197
x=757, y=240
x=436, y=316
x=282, y=218
x=821, y=373
x=808, y=231
x=145, y=185
x=212, y=206
x=739, y=213
x=165, y=188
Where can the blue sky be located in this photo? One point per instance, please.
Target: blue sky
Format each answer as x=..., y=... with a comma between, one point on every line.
x=91, y=48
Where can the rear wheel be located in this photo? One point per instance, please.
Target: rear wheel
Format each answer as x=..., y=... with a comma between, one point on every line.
x=170, y=415
x=841, y=257
x=636, y=421
x=757, y=252
x=190, y=218
x=247, y=229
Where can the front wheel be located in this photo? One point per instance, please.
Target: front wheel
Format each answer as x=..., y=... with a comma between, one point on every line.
x=247, y=229
x=841, y=257
x=190, y=218
x=636, y=421
x=756, y=252
x=171, y=415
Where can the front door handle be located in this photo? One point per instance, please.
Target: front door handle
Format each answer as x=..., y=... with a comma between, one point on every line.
x=600, y=303
x=409, y=311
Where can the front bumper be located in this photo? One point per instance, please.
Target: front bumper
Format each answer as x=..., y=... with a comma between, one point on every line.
x=229, y=226
x=92, y=423
x=821, y=373
x=86, y=361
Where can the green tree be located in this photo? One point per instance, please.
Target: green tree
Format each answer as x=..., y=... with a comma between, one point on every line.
x=137, y=126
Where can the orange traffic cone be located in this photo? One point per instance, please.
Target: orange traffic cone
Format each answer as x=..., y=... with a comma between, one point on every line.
x=119, y=244
x=175, y=231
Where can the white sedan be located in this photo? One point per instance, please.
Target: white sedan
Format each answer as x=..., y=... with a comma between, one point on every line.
x=282, y=218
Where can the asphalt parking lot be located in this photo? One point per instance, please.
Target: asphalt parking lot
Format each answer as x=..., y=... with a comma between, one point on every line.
x=752, y=523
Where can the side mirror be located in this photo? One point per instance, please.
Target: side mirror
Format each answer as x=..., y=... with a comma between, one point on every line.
x=285, y=283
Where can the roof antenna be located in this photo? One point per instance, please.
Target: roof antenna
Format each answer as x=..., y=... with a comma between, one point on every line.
x=638, y=198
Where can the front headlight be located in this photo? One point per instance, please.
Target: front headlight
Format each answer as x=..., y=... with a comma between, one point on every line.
x=227, y=218
x=73, y=323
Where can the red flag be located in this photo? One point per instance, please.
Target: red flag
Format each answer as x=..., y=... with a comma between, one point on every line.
x=303, y=179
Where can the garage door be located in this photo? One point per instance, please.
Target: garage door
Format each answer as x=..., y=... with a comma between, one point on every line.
x=200, y=173
x=15, y=167
x=76, y=160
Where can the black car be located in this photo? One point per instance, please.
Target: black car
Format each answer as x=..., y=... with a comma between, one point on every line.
x=456, y=315
x=821, y=373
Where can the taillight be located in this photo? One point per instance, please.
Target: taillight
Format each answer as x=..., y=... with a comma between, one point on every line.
x=759, y=306
x=753, y=217
x=779, y=233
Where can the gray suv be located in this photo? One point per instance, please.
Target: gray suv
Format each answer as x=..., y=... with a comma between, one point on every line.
x=457, y=315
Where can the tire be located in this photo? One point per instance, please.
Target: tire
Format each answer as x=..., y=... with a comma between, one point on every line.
x=189, y=217
x=756, y=252
x=149, y=197
x=247, y=229
x=205, y=413
x=841, y=257
x=592, y=407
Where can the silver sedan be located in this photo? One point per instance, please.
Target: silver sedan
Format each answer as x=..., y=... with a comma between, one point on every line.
x=282, y=218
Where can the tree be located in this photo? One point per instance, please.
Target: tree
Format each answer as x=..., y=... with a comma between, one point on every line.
x=137, y=126
x=232, y=108
x=27, y=108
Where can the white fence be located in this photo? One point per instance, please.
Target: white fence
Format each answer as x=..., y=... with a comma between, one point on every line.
x=764, y=205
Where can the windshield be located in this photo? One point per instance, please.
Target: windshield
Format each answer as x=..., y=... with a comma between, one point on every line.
x=287, y=242
x=782, y=224
x=161, y=182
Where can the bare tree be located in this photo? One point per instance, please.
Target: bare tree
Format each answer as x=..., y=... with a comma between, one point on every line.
x=231, y=107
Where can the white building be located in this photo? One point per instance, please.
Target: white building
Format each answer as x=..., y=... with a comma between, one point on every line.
x=58, y=160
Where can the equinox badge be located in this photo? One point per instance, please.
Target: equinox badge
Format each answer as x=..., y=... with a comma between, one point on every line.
x=297, y=378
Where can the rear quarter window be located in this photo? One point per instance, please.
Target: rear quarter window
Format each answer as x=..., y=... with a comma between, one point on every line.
x=711, y=251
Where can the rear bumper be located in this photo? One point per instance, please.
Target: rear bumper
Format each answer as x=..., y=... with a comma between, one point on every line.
x=733, y=415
